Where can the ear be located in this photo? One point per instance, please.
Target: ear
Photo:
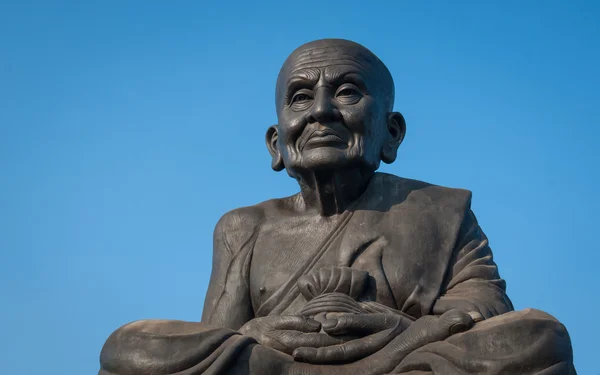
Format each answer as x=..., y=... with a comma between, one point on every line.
x=396, y=131
x=271, y=139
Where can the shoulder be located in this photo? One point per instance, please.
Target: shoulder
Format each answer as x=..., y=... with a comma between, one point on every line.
x=235, y=229
x=240, y=219
x=250, y=218
x=240, y=228
x=423, y=194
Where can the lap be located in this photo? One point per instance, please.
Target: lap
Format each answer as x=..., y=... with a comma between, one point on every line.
x=168, y=347
x=519, y=342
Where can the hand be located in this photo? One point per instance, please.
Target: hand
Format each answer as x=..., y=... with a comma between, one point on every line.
x=478, y=312
x=376, y=330
x=287, y=333
x=425, y=330
x=331, y=302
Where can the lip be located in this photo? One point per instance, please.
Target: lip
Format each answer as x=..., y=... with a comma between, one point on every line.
x=325, y=137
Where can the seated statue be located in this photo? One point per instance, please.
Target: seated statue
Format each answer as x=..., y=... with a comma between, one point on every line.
x=361, y=272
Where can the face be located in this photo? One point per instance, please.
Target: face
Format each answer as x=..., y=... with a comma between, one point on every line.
x=331, y=113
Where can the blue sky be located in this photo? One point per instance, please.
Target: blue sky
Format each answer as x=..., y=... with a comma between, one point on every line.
x=128, y=128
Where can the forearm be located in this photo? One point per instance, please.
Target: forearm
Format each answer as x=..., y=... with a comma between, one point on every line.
x=473, y=282
x=475, y=295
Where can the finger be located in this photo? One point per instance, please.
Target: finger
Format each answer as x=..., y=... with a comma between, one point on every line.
x=428, y=329
x=334, y=298
x=333, y=304
x=346, y=352
x=324, y=306
x=288, y=341
x=431, y=328
x=471, y=304
x=423, y=331
x=454, y=321
x=294, y=323
x=364, y=324
x=450, y=303
x=476, y=316
x=485, y=311
x=333, y=279
x=306, y=284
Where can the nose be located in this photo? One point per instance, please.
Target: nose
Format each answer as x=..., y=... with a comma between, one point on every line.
x=323, y=110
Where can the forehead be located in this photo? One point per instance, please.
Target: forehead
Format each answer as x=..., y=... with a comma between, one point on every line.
x=331, y=61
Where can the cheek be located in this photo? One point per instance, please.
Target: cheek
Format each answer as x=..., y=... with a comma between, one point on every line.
x=365, y=121
x=361, y=117
x=354, y=117
x=290, y=128
x=292, y=122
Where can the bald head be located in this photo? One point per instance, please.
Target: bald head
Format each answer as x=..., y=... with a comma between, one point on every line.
x=325, y=54
x=334, y=110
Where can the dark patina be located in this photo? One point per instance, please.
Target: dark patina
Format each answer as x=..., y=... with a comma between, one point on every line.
x=361, y=272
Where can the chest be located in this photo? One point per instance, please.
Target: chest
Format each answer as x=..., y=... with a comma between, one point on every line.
x=283, y=247
x=399, y=252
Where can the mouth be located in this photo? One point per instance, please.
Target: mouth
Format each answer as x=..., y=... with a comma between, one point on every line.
x=319, y=138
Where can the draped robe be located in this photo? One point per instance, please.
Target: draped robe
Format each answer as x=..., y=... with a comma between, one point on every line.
x=423, y=253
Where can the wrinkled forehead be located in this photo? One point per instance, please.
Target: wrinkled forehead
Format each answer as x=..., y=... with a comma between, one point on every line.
x=334, y=58
x=318, y=57
x=329, y=58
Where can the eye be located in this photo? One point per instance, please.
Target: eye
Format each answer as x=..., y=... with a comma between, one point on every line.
x=348, y=94
x=300, y=97
x=301, y=100
x=348, y=91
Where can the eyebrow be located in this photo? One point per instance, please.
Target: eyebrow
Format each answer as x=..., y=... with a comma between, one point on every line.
x=310, y=75
x=337, y=76
x=334, y=75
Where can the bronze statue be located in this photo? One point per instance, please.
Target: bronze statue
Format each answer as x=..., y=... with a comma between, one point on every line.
x=360, y=272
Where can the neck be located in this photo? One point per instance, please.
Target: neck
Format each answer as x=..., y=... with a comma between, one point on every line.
x=331, y=192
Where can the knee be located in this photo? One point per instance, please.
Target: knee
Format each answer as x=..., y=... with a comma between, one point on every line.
x=529, y=314
x=147, y=347
x=536, y=327
x=119, y=354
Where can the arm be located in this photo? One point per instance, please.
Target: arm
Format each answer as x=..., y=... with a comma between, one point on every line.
x=227, y=302
x=473, y=282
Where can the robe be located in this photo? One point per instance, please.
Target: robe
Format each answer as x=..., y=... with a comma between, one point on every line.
x=415, y=249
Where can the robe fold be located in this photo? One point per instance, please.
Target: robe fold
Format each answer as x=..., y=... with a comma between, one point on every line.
x=418, y=250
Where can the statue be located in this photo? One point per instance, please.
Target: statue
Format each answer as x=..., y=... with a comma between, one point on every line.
x=361, y=272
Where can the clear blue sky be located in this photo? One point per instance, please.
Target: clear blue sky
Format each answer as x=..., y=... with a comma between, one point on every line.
x=127, y=128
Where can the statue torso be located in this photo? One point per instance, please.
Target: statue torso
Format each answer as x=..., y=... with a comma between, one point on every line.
x=395, y=233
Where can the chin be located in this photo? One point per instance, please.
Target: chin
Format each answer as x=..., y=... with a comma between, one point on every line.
x=324, y=158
